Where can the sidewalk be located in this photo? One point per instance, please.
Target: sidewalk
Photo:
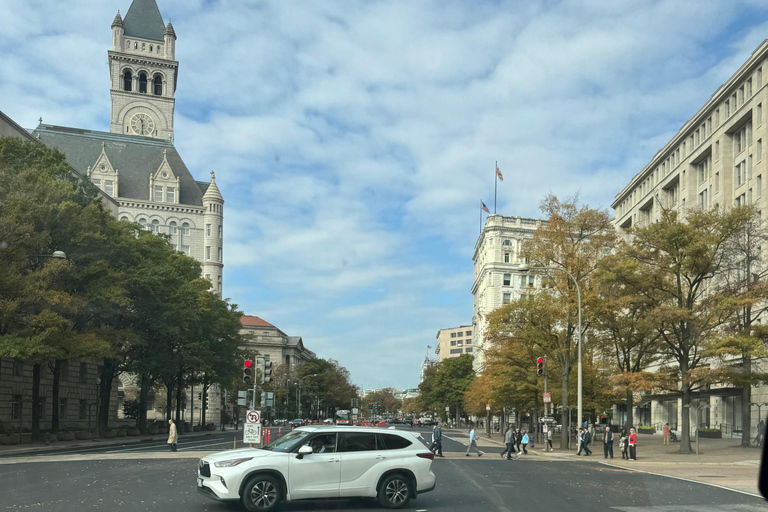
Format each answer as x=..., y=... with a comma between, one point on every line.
x=721, y=462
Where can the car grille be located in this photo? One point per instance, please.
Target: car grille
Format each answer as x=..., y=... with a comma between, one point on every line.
x=205, y=469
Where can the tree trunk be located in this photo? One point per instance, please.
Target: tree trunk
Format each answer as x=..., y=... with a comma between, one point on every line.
x=178, y=405
x=630, y=411
x=192, y=405
x=55, y=396
x=143, y=394
x=35, y=402
x=203, y=395
x=108, y=372
x=746, y=399
x=168, y=400
x=685, y=432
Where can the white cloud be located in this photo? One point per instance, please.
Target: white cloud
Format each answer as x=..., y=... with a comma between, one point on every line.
x=353, y=141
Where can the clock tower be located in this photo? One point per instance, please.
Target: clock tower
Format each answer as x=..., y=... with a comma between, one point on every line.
x=143, y=71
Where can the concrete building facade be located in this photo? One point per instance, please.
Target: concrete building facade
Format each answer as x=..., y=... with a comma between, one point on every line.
x=272, y=343
x=715, y=160
x=453, y=342
x=497, y=278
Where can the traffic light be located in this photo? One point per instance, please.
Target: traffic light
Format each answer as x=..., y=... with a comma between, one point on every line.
x=248, y=371
x=205, y=405
x=266, y=372
x=540, y=366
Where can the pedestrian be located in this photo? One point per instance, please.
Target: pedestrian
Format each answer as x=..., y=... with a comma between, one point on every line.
x=432, y=440
x=549, y=439
x=608, y=443
x=473, y=443
x=580, y=440
x=624, y=444
x=632, y=444
x=173, y=437
x=666, y=434
x=437, y=435
x=518, y=440
x=525, y=440
x=508, y=440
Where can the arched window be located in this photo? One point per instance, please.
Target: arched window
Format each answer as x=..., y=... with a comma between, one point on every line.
x=155, y=226
x=158, y=84
x=150, y=47
x=506, y=243
x=172, y=227
x=185, y=228
x=143, y=223
x=127, y=80
x=143, y=82
x=124, y=218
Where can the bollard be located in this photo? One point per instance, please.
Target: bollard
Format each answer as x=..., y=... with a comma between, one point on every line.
x=279, y=430
x=234, y=444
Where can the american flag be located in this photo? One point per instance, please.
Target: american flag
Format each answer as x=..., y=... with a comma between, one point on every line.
x=498, y=173
x=484, y=208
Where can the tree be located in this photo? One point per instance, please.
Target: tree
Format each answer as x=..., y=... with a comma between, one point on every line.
x=573, y=240
x=446, y=383
x=675, y=264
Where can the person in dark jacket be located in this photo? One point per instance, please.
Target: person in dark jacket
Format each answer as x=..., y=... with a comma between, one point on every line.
x=437, y=437
x=518, y=439
x=509, y=437
x=608, y=442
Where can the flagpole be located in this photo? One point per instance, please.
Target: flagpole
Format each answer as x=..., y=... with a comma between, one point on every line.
x=495, y=186
x=481, y=216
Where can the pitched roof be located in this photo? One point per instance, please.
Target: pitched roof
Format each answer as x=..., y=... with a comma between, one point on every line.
x=133, y=156
x=143, y=20
x=254, y=321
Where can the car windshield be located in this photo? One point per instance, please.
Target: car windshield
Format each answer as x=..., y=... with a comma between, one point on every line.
x=287, y=442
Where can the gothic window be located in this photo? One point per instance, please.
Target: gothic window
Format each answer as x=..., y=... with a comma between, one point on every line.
x=158, y=84
x=127, y=80
x=143, y=82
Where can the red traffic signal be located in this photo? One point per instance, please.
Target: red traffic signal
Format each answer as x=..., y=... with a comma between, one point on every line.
x=248, y=363
x=540, y=366
x=247, y=371
x=540, y=360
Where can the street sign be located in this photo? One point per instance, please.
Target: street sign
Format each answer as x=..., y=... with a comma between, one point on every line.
x=547, y=398
x=355, y=411
x=487, y=407
x=545, y=428
x=252, y=433
x=547, y=419
x=447, y=409
x=253, y=417
x=241, y=401
x=242, y=396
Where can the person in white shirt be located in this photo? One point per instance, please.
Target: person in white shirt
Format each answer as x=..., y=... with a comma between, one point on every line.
x=473, y=443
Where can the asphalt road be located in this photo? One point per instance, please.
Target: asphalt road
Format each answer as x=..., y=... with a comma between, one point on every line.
x=105, y=482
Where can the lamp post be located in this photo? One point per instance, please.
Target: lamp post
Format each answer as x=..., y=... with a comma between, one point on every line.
x=525, y=268
x=301, y=381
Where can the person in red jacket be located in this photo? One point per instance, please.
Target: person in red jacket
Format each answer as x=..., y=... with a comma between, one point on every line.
x=632, y=444
x=666, y=433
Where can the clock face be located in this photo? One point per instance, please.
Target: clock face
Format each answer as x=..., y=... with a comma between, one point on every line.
x=142, y=124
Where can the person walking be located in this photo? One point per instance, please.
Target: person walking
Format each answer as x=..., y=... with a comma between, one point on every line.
x=580, y=440
x=518, y=440
x=624, y=444
x=608, y=442
x=473, y=443
x=549, y=439
x=525, y=440
x=632, y=444
x=508, y=440
x=437, y=436
x=666, y=434
x=173, y=437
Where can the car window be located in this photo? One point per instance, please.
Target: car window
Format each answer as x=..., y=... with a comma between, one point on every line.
x=324, y=443
x=287, y=442
x=394, y=442
x=357, y=442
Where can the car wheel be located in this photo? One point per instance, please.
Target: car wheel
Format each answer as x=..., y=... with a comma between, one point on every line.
x=395, y=491
x=261, y=494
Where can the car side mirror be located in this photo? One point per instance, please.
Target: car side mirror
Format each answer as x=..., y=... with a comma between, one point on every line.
x=304, y=450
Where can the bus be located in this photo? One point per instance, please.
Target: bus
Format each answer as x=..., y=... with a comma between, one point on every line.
x=343, y=418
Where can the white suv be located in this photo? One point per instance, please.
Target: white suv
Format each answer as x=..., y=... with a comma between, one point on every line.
x=321, y=462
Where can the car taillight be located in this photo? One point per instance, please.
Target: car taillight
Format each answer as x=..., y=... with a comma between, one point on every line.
x=429, y=455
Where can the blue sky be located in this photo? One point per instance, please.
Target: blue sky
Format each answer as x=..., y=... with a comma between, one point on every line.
x=353, y=140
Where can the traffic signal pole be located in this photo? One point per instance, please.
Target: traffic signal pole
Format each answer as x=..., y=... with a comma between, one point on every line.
x=545, y=383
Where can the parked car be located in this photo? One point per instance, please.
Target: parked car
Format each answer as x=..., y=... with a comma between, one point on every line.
x=298, y=422
x=391, y=465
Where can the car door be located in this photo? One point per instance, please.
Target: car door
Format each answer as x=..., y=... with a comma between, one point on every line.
x=361, y=463
x=317, y=474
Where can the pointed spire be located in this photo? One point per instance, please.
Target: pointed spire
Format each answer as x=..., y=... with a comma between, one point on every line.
x=213, y=194
x=169, y=29
x=143, y=20
x=118, y=22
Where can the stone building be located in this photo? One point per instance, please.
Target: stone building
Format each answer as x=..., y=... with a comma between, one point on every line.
x=272, y=343
x=453, y=342
x=497, y=279
x=715, y=160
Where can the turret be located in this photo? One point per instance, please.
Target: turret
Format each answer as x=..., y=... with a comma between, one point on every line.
x=170, y=41
x=117, y=33
x=213, y=235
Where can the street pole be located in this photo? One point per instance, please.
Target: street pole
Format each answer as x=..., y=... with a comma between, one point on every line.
x=545, y=384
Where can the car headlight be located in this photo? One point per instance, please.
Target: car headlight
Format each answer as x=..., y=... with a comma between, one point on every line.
x=231, y=462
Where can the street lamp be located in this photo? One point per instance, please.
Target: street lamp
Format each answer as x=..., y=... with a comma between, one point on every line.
x=301, y=381
x=525, y=268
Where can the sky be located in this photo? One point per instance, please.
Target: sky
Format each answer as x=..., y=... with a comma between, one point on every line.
x=354, y=140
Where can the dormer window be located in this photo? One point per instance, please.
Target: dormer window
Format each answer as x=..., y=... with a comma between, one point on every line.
x=158, y=194
x=109, y=188
x=127, y=80
x=170, y=195
x=143, y=82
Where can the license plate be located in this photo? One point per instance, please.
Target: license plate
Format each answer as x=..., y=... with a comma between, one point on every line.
x=199, y=482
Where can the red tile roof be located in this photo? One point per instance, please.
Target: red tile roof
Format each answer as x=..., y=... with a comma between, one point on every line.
x=254, y=321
